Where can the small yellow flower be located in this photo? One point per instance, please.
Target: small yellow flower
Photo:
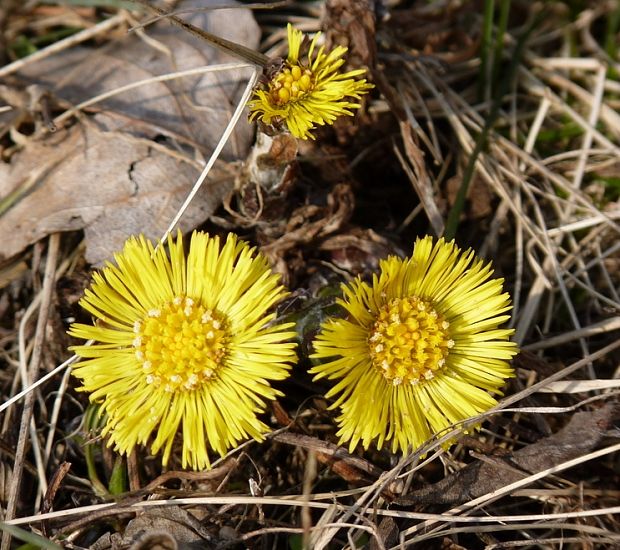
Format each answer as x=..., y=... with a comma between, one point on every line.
x=420, y=348
x=184, y=344
x=308, y=92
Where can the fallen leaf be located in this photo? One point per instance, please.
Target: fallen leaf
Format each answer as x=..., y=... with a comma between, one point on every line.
x=110, y=184
x=192, y=110
x=128, y=168
x=581, y=435
x=167, y=528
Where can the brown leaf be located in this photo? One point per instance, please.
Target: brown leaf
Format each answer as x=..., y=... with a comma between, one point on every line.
x=580, y=436
x=155, y=540
x=193, y=109
x=110, y=184
x=167, y=528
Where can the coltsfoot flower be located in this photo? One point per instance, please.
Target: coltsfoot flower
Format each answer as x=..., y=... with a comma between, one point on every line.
x=184, y=344
x=308, y=92
x=420, y=348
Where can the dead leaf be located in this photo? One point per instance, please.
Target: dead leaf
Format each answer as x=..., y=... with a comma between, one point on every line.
x=580, y=436
x=192, y=109
x=110, y=184
x=155, y=540
x=167, y=528
x=311, y=221
x=111, y=180
x=358, y=250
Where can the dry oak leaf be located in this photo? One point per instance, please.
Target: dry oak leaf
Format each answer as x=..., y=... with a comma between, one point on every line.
x=110, y=184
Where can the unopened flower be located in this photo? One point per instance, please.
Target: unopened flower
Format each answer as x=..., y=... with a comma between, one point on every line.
x=184, y=345
x=308, y=91
x=420, y=348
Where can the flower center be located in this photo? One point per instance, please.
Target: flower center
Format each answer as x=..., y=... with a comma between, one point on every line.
x=180, y=345
x=409, y=341
x=291, y=84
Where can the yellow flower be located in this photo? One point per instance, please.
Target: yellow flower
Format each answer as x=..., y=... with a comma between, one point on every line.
x=183, y=343
x=304, y=93
x=420, y=348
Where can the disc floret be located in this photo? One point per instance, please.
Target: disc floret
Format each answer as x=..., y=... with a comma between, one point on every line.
x=292, y=84
x=409, y=341
x=181, y=345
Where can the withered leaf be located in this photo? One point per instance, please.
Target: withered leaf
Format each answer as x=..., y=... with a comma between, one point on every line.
x=110, y=184
x=166, y=528
x=128, y=168
x=581, y=435
x=192, y=109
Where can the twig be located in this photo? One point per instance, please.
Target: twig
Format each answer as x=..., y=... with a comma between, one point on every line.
x=20, y=453
x=507, y=489
x=40, y=381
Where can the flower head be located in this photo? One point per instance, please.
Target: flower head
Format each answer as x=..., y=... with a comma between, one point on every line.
x=183, y=342
x=420, y=348
x=310, y=91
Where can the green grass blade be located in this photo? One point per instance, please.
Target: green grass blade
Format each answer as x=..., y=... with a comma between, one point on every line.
x=31, y=538
x=486, y=62
x=452, y=222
